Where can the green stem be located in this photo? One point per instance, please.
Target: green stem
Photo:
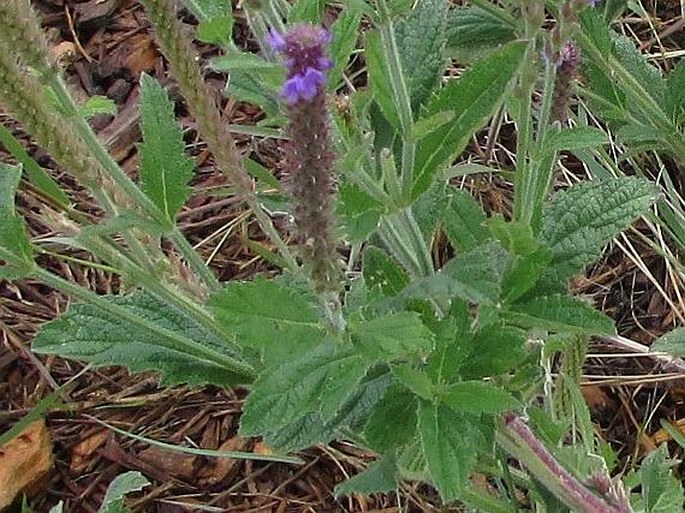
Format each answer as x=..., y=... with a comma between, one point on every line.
x=165, y=337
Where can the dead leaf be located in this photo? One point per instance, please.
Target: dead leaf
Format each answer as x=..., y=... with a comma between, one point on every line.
x=172, y=463
x=82, y=451
x=23, y=461
x=219, y=469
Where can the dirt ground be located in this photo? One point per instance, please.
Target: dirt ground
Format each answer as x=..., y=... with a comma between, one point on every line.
x=105, y=46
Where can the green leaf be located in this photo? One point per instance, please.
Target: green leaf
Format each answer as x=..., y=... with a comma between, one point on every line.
x=306, y=11
x=672, y=343
x=397, y=403
x=276, y=322
x=636, y=63
x=473, y=32
x=87, y=333
x=217, y=30
x=382, y=271
x=474, y=97
x=674, y=96
x=381, y=476
x=415, y=380
x=260, y=87
x=477, y=397
x=661, y=491
x=206, y=9
x=121, y=485
x=98, y=105
x=165, y=169
x=576, y=138
x=579, y=221
x=464, y=221
x=242, y=61
x=425, y=125
x=294, y=405
x=421, y=38
x=524, y=272
x=450, y=442
x=393, y=336
x=452, y=343
x=494, y=350
x=559, y=313
x=360, y=212
x=15, y=246
x=475, y=276
x=38, y=176
x=379, y=79
x=344, y=35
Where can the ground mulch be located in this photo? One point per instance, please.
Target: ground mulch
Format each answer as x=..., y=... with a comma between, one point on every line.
x=105, y=45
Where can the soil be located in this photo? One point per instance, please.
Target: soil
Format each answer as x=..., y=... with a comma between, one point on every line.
x=105, y=45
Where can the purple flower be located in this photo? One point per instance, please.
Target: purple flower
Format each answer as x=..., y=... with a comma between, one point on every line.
x=303, y=87
x=303, y=48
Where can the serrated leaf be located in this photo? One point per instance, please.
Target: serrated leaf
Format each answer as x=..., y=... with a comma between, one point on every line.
x=450, y=442
x=207, y=9
x=382, y=271
x=217, y=30
x=524, y=272
x=165, y=169
x=452, y=343
x=494, y=350
x=579, y=221
x=415, y=380
x=344, y=36
x=672, y=343
x=397, y=403
x=277, y=322
x=464, y=221
x=559, y=313
x=477, y=397
x=98, y=105
x=576, y=138
x=475, y=276
x=152, y=343
x=286, y=399
x=474, y=97
x=393, y=336
x=421, y=38
x=14, y=240
x=381, y=476
x=635, y=62
x=661, y=491
x=474, y=32
x=120, y=486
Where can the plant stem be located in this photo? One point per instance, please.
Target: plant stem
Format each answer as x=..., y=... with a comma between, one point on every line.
x=519, y=441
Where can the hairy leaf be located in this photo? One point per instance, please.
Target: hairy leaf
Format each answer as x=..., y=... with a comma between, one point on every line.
x=276, y=322
x=579, y=221
x=675, y=93
x=577, y=138
x=474, y=97
x=87, y=333
x=450, y=442
x=474, y=32
x=672, y=343
x=379, y=78
x=393, y=336
x=477, y=397
x=464, y=221
x=380, y=270
x=421, y=38
x=344, y=35
x=15, y=246
x=475, y=276
x=381, y=476
x=121, y=485
x=165, y=169
x=661, y=491
x=559, y=313
x=298, y=401
x=494, y=350
x=397, y=403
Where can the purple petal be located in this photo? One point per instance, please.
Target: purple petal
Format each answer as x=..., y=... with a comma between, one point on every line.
x=290, y=90
x=323, y=63
x=275, y=40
